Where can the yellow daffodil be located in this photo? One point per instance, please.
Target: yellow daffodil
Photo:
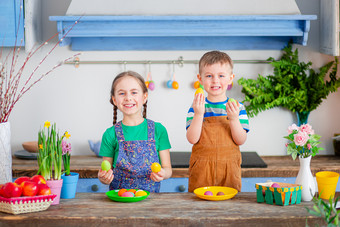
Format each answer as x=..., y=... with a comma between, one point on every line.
x=47, y=124
x=67, y=135
x=40, y=146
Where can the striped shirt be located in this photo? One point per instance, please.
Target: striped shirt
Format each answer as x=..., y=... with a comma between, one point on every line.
x=213, y=109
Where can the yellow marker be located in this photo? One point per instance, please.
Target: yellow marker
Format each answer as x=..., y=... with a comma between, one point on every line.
x=199, y=90
x=155, y=167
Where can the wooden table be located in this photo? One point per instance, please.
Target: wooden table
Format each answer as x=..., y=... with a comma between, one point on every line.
x=165, y=209
x=278, y=166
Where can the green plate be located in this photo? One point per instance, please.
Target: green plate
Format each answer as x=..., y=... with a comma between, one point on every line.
x=113, y=195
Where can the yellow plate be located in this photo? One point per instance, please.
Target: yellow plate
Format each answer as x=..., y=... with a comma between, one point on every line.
x=228, y=193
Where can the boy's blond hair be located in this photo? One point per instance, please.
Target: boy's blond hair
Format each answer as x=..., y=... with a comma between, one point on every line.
x=214, y=57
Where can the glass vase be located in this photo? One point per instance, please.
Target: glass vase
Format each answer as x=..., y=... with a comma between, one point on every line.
x=302, y=117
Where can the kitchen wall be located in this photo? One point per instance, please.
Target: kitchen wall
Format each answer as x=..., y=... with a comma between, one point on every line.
x=77, y=99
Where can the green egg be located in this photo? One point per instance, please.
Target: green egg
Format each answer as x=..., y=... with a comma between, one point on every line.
x=106, y=165
x=232, y=100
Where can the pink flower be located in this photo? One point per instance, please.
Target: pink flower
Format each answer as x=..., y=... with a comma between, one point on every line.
x=301, y=138
x=309, y=146
x=307, y=129
x=66, y=147
x=292, y=128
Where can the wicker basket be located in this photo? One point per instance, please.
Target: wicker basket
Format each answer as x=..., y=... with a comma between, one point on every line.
x=26, y=204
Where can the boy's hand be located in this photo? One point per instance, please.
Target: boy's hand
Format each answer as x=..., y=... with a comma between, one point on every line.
x=105, y=177
x=198, y=104
x=157, y=177
x=233, y=110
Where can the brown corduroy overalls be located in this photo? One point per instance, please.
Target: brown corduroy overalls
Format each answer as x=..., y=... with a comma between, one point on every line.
x=215, y=159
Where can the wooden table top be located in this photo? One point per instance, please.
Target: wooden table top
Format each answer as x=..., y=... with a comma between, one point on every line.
x=278, y=166
x=165, y=209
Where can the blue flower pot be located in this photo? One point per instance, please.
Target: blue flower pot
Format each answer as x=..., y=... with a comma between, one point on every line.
x=69, y=188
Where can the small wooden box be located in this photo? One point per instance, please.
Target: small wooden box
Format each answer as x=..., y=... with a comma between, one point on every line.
x=287, y=194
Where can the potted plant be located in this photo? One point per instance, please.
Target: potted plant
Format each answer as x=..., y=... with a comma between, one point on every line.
x=327, y=211
x=294, y=85
x=70, y=179
x=50, y=158
x=303, y=143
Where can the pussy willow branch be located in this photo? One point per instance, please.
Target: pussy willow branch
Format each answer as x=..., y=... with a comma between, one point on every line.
x=9, y=86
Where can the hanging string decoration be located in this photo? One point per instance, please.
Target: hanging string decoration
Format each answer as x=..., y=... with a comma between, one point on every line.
x=196, y=84
x=230, y=86
x=150, y=84
x=172, y=83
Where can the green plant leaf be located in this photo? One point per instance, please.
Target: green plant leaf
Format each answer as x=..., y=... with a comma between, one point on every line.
x=294, y=85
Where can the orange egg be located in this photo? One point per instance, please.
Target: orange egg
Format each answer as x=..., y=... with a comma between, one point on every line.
x=175, y=85
x=147, y=83
x=132, y=190
x=196, y=84
x=121, y=191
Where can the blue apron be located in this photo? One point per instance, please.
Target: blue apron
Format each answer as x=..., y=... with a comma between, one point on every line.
x=133, y=167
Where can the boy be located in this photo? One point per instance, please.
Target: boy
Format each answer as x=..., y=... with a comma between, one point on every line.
x=216, y=127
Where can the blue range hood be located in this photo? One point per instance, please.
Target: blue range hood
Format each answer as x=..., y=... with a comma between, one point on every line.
x=233, y=32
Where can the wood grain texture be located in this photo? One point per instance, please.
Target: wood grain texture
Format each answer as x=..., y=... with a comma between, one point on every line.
x=278, y=166
x=164, y=209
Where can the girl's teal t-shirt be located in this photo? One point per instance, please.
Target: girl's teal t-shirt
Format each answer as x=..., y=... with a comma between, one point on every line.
x=109, y=145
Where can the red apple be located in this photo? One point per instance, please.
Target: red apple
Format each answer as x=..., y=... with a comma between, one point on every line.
x=11, y=189
x=29, y=188
x=1, y=190
x=38, y=179
x=43, y=189
x=21, y=179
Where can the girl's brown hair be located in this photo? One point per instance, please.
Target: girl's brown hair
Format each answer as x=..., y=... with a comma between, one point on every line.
x=140, y=81
x=214, y=57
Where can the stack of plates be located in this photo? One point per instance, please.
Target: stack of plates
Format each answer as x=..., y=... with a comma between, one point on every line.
x=23, y=154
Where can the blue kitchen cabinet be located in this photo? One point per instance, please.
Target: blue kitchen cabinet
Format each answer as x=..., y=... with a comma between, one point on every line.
x=91, y=185
x=169, y=185
x=181, y=184
x=174, y=185
x=11, y=23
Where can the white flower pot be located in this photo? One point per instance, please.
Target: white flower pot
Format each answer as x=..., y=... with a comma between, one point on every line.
x=5, y=153
x=305, y=178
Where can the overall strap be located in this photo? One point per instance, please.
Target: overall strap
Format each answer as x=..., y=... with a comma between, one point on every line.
x=119, y=131
x=151, y=130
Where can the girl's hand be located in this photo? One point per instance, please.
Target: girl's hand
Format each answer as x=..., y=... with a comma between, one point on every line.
x=157, y=177
x=198, y=104
x=105, y=177
x=233, y=110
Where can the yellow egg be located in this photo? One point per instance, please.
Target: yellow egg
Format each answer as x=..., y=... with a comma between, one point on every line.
x=199, y=90
x=155, y=167
x=140, y=193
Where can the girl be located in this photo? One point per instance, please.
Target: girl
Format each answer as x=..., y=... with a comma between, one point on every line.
x=133, y=144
